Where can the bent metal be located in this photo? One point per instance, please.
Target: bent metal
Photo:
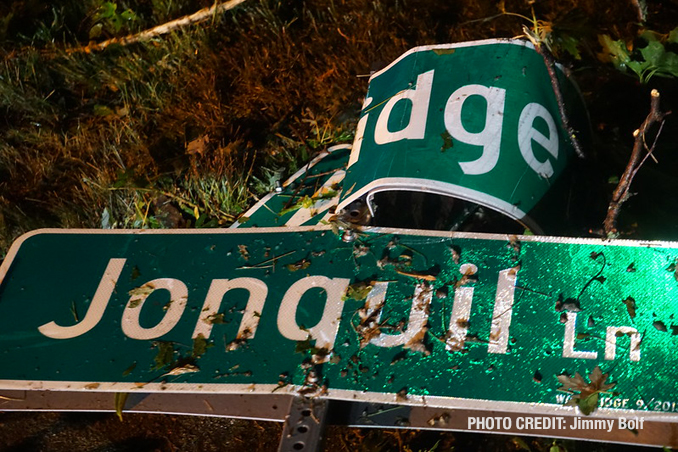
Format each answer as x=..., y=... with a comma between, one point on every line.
x=428, y=317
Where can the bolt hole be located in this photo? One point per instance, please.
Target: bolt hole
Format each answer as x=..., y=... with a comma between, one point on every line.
x=275, y=407
x=302, y=429
x=298, y=446
x=354, y=213
x=305, y=412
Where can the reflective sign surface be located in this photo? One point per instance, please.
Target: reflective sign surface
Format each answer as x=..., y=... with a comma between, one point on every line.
x=439, y=319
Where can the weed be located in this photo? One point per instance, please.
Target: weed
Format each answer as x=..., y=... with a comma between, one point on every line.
x=650, y=57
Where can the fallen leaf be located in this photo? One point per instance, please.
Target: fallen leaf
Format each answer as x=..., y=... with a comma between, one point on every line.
x=198, y=145
x=358, y=291
x=165, y=355
x=120, y=399
x=301, y=265
x=631, y=307
x=140, y=292
x=585, y=394
x=660, y=326
x=242, y=249
x=200, y=346
x=187, y=369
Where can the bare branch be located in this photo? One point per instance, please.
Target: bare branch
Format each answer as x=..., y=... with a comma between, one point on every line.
x=165, y=28
x=551, y=67
x=621, y=193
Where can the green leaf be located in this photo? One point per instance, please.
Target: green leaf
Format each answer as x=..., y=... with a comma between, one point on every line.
x=107, y=10
x=200, y=346
x=102, y=110
x=129, y=370
x=165, y=355
x=129, y=16
x=358, y=291
x=673, y=36
x=589, y=404
x=520, y=444
x=303, y=202
x=614, y=52
x=120, y=399
x=670, y=64
x=653, y=53
x=95, y=31
x=638, y=68
x=571, y=45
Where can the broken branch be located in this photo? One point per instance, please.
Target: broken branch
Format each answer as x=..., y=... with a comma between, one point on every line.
x=621, y=193
x=165, y=28
x=550, y=63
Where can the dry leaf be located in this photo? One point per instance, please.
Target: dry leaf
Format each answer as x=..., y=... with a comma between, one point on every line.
x=198, y=145
x=585, y=393
x=630, y=307
x=187, y=369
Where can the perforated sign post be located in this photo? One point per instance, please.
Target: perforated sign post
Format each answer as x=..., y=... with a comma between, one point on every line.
x=431, y=319
x=478, y=121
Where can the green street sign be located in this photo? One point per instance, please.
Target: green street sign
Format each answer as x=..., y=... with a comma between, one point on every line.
x=306, y=197
x=441, y=319
x=477, y=121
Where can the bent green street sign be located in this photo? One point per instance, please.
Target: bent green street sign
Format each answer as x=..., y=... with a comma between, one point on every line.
x=306, y=197
x=478, y=121
x=437, y=319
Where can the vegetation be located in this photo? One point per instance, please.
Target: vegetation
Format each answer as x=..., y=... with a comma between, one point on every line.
x=189, y=128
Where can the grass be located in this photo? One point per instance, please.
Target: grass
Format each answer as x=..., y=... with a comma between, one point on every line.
x=267, y=84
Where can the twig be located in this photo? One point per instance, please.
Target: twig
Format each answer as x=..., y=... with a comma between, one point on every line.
x=621, y=193
x=551, y=68
x=641, y=9
x=165, y=28
x=263, y=264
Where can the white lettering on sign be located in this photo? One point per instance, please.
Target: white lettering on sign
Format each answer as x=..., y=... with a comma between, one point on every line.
x=174, y=309
x=503, y=309
x=96, y=307
x=359, y=135
x=527, y=134
x=490, y=137
x=568, y=342
x=215, y=295
x=461, y=312
x=611, y=342
x=325, y=331
x=418, y=315
x=419, y=96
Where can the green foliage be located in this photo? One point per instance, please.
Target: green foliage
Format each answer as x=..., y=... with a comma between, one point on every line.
x=165, y=355
x=108, y=20
x=200, y=346
x=646, y=60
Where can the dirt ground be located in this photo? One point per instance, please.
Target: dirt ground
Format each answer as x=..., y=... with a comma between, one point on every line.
x=104, y=432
